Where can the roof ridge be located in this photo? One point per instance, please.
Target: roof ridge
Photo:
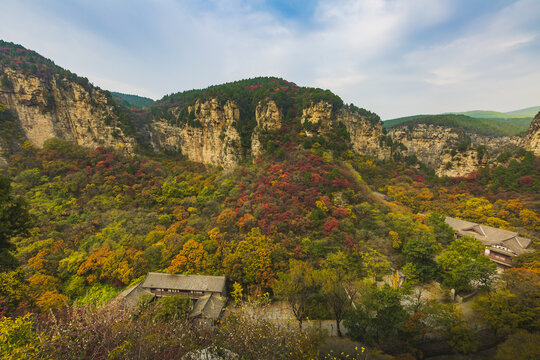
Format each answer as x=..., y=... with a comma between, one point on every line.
x=481, y=227
x=160, y=273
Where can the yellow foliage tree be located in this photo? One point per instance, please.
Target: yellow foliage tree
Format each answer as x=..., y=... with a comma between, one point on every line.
x=396, y=241
x=237, y=293
x=226, y=218
x=51, y=300
x=192, y=259
x=530, y=219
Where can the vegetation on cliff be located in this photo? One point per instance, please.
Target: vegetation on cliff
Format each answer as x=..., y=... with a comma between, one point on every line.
x=481, y=126
x=299, y=223
x=290, y=99
x=29, y=63
x=132, y=101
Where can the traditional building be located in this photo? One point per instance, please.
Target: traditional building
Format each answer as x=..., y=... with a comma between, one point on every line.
x=501, y=245
x=207, y=292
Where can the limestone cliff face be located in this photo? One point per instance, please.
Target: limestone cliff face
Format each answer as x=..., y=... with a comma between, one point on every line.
x=268, y=117
x=48, y=108
x=43, y=108
x=427, y=142
x=216, y=141
x=433, y=145
x=365, y=136
x=318, y=113
x=531, y=141
x=460, y=164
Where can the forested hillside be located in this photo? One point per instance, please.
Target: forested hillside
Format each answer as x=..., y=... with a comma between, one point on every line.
x=478, y=125
x=102, y=220
x=132, y=101
x=336, y=233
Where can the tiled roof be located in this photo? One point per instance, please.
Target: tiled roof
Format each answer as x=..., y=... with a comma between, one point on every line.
x=208, y=306
x=184, y=282
x=131, y=295
x=490, y=236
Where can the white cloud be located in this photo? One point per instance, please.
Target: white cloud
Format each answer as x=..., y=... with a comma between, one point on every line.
x=498, y=53
x=369, y=52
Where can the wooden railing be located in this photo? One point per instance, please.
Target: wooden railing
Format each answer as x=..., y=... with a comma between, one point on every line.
x=191, y=294
x=500, y=258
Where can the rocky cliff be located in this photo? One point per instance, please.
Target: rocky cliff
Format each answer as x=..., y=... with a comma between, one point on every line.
x=365, y=135
x=268, y=118
x=213, y=140
x=531, y=141
x=220, y=125
x=56, y=107
x=43, y=108
x=216, y=141
x=450, y=151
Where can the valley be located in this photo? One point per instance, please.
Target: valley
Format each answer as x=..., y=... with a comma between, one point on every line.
x=294, y=196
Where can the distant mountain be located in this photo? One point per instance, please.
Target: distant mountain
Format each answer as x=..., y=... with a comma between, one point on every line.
x=487, y=114
x=531, y=111
x=482, y=126
x=132, y=101
x=484, y=122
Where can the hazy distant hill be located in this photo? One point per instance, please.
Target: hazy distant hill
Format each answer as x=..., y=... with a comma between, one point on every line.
x=132, y=101
x=527, y=113
x=531, y=111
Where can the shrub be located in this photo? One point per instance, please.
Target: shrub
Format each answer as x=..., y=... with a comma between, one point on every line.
x=172, y=308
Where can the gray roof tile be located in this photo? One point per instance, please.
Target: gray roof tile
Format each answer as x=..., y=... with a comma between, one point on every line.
x=490, y=236
x=184, y=282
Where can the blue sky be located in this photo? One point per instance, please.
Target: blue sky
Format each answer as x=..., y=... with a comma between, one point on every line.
x=394, y=57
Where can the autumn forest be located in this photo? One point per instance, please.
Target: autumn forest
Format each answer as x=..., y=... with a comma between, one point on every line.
x=338, y=235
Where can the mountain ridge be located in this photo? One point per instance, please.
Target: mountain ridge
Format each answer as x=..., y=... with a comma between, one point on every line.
x=220, y=125
x=481, y=126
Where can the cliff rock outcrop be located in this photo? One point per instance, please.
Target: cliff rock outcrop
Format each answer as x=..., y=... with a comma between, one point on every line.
x=365, y=135
x=438, y=147
x=531, y=141
x=39, y=101
x=214, y=140
x=318, y=113
x=56, y=107
x=269, y=118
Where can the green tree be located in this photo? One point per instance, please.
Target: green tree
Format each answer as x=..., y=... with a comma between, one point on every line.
x=172, y=308
x=451, y=324
x=297, y=287
x=463, y=261
x=18, y=339
x=14, y=220
x=516, y=305
x=527, y=343
x=338, y=291
x=377, y=316
x=443, y=232
x=421, y=250
x=13, y=289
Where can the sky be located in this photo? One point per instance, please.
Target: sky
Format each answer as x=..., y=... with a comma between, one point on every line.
x=393, y=57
